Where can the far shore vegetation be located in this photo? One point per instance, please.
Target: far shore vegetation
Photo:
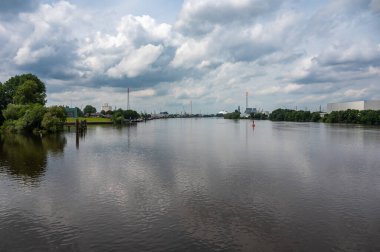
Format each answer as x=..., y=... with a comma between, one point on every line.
x=23, y=110
x=351, y=116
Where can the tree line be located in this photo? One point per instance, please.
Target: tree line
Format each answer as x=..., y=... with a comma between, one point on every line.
x=22, y=106
x=368, y=117
x=294, y=115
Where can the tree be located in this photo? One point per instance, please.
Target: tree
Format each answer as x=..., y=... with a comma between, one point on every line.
x=80, y=113
x=259, y=116
x=3, y=103
x=27, y=93
x=131, y=114
x=89, y=109
x=118, y=116
x=36, y=92
x=54, y=119
x=23, y=118
x=315, y=117
x=233, y=115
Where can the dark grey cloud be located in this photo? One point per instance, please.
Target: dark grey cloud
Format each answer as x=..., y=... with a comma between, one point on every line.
x=9, y=9
x=200, y=17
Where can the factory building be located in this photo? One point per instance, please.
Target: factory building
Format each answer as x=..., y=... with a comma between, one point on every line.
x=357, y=105
x=106, y=107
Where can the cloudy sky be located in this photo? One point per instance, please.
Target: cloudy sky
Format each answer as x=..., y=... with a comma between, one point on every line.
x=289, y=53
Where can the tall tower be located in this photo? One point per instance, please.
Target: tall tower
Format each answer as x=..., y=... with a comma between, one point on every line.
x=191, y=107
x=128, y=108
x=246, y=100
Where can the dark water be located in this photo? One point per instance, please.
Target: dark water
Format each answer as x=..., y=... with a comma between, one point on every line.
x=193, y=185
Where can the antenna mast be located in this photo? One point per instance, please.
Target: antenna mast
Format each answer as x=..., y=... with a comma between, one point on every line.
x=128, y=108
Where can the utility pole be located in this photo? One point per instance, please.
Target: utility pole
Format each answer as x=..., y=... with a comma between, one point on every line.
x=246, y=100
x=128, y=101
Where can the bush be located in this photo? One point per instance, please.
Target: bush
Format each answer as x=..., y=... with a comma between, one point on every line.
x=233, y=115
x=54, y=119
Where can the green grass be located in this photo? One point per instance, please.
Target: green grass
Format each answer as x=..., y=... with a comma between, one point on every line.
x=89, y=119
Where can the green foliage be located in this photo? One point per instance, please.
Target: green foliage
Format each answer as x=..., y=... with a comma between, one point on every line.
x=369, y=117
x=233, y=115
x=315, y=117
x=131, y=114
x=28, y=93
x=14, y=112
x=259, y=116
x=119, y=116
x=89, y=109
x=294, y=115
x=79, y=111
x=27, y=118
x=145, y=115
x=27, y=85
x=54, y=119
x=3, y=103
x=33, y=117
x=20, y=118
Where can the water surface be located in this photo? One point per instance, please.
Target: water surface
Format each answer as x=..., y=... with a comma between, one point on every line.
x=193, y=185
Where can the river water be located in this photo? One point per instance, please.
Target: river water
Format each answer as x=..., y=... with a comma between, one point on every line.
x=193, y=185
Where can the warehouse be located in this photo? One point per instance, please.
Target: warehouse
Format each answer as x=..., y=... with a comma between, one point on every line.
x=358, y=105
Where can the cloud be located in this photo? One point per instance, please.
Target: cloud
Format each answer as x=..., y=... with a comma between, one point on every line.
x=144, y=93
x=202, y=16
x=10, y=8
x=136, y=62
x=375, y=5
x=279, y=51
x=356, y=93
x=290, y=88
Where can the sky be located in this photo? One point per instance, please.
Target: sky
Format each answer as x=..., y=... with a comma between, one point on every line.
x=286, y=54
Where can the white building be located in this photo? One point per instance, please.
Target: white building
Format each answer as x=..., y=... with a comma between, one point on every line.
x=358, y=105
x=106, y=107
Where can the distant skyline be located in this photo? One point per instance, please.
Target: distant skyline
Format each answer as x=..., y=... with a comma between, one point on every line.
x=284, y=53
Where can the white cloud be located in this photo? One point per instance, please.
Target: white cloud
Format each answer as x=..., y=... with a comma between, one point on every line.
x=137, y=27
x=51, y=24
x=191, y=52
x=356, y=93
x=136, y=62
x=278, y=51
x=144, y=93
x=278, y=90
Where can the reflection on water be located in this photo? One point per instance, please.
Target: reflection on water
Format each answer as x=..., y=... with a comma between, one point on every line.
x=194, y=185
x=26, y=156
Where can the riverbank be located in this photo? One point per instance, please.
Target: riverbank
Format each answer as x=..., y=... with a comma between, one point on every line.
x=89, y=120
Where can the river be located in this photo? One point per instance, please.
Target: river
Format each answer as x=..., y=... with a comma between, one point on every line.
x=193, y=185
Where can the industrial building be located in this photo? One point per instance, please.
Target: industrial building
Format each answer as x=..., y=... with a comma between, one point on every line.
x=106, y=107
x=358, y=105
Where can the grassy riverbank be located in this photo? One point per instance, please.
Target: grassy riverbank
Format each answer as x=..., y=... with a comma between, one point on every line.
x=90, y=120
